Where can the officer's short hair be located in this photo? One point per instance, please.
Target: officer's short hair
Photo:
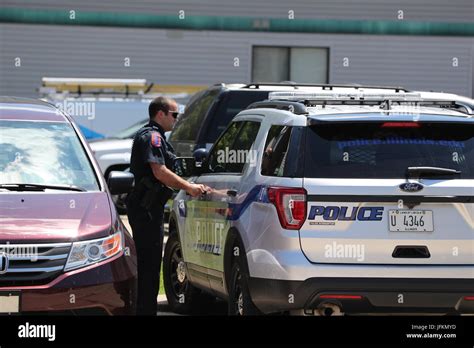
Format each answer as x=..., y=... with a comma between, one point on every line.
x=157, y=104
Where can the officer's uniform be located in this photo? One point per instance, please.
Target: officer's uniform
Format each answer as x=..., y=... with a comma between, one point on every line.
x=146, y=220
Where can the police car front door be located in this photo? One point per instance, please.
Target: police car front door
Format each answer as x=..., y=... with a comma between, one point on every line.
x=227, y=162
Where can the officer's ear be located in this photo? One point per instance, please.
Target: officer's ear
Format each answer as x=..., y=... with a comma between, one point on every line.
x=159, y=114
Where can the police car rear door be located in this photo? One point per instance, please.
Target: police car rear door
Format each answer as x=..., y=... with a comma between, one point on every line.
x=390, y=192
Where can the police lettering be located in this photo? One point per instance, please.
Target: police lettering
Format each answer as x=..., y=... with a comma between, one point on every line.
x=333, y=213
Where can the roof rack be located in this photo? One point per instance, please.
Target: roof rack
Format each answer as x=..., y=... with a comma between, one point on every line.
x=323, y=86
x=337, y=96
x=297, y=102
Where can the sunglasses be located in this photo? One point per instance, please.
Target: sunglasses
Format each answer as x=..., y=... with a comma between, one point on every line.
x=174, y=113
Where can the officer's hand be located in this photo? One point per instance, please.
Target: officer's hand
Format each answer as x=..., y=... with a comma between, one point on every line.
x=195, y=190
x=207, y=189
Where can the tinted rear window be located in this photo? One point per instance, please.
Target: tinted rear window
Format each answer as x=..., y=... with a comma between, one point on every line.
x=232, y=103
x=372, y=150
x=188, y=125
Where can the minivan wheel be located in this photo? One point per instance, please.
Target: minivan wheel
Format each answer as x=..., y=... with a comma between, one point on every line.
x=240, y=302
x=181, y=294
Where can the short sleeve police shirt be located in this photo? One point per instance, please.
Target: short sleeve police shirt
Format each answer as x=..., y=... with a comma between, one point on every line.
x=150, y=146
x=154, y=148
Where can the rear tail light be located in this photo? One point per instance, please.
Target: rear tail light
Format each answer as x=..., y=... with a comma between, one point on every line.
x=341, y=297
x=401, y=125
x=290, y=204
x=469, y=298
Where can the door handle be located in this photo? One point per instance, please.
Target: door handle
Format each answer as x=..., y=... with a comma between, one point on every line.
x=232, y=193
x=204, y=194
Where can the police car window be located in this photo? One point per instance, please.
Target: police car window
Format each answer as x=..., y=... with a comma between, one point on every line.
x=232, y=150
x=217, y=158
x=386, y=150
x=275, y=151
x=240, y=153
x=190, y=122
x=46, y=153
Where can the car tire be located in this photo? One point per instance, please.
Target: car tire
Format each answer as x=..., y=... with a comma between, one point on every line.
x=240, y=302
x=181, y=294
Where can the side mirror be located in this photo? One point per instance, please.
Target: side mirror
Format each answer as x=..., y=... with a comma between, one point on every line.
x=185, y=167
x=120, y=182
x=200, y=155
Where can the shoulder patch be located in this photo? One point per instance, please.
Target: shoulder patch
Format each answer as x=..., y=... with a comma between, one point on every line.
x=155, y=139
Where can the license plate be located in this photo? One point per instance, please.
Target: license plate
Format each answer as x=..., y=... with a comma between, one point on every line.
x=410, y=220
x=9, y=303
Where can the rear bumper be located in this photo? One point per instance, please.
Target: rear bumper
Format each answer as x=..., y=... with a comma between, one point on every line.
x=370, y=295
x=105, y=288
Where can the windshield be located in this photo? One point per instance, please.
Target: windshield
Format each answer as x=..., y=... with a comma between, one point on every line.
x=47, y=153
x=386, y=150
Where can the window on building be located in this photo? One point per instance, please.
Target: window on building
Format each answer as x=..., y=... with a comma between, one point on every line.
x=298, y=64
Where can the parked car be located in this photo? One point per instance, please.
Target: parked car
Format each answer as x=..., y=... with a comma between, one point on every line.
x=208, y=113
x=347, y=200
x=63, y=247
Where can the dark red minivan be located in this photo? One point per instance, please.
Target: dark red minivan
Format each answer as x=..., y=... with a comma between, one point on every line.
x=63, y=247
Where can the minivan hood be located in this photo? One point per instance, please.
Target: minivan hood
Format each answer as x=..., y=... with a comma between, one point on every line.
x=30, y=217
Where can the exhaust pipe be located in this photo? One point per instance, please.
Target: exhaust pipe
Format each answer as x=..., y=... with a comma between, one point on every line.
x=328, y=309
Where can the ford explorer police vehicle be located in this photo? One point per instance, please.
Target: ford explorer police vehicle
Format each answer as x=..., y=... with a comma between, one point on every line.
x=346, y=200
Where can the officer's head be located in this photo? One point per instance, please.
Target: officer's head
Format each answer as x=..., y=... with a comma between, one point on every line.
x=163, y=111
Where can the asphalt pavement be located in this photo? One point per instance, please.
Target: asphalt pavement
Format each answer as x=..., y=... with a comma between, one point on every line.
x=212, y=308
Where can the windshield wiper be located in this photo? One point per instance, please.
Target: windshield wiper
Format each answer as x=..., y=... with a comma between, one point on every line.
x=40, y=187
x=430, y=171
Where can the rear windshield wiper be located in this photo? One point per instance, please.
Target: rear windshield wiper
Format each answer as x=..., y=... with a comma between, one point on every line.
x=40, y=187
x=430, y=171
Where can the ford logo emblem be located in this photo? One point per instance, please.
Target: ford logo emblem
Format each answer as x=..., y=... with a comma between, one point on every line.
x=411, y=187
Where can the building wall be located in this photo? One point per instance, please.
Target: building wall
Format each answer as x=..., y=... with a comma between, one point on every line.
x=206, y=57
x=413, y=10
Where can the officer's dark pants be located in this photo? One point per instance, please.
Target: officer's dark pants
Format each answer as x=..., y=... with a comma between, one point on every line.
x=148, y=236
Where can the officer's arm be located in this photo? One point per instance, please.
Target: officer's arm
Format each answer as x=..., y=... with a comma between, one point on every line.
x=169, y=178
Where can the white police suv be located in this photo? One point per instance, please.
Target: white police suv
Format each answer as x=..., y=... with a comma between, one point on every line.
x=342, y=200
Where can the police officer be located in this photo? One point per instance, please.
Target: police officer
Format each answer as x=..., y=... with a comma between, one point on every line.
x=152, y=164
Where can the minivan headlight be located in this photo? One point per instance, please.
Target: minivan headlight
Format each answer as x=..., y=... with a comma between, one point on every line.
x=92, y=251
